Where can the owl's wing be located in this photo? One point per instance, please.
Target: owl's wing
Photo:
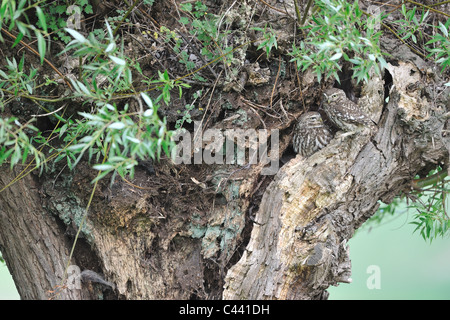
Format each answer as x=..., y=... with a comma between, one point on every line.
x=352, y=113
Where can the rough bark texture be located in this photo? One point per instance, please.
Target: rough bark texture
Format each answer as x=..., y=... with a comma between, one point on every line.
x=32, y=242
x=312, y=208
x=190, y=231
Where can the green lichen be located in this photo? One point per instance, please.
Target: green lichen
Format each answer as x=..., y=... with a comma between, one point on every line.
x=226, y=222
x=71, y=211
x=196, y=230
x=242, y=119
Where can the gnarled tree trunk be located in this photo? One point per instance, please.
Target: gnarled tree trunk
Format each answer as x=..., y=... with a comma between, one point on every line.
x=179, y=232
x=298, y=246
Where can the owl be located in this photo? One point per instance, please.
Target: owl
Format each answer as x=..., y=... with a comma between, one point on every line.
x=310, y=134
x=343, y=112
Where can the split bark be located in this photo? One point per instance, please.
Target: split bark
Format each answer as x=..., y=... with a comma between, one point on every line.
x=298, y=246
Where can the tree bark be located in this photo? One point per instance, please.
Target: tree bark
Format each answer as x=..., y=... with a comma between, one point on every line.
x=31, y=241
x=298, y=246
x=187, y=231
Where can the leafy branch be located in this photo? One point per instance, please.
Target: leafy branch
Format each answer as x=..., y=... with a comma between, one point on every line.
x=430, y=202
x=337, y=30
x=15, y=143
x=429, y=199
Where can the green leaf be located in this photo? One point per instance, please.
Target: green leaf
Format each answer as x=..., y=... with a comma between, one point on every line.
x=148, y=113
x=18, y=38
x=76, y=35
x=4, y=155
x=383, y=63
x=166, y=75
x=147, y=100
x=86, y=139
x=76, y=147
x=184, y=20
x=110, y=32
x=117, y=125
x=41, y=18
x=103, y=167
x=41, y=45
x=336, y=76
x=336, y=56
x=101, y=176
x=443, y=29
x=63, y=129
x=186, y=7
x=83, y=88
x=355, y=61
x=22, y=28
x=25, y=153
x=133, y=139
x=88, y=9
x=118, y=61
x=110, y=47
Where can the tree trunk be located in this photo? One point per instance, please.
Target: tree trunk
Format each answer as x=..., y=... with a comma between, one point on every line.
x=187, y=231
x=298, y=246
x=31, y=241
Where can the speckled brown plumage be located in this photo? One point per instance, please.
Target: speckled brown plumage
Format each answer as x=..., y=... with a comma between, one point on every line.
x=343, y=112
x=310, y=134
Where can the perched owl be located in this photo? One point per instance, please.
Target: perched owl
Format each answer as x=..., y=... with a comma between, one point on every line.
x=310, y=134
x=343, y=112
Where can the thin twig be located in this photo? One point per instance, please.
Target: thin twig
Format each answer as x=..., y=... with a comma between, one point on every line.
x=50, y=113
x=124, y=17
x=250, y=103
x=275, y=84
x=297, y=13
x=383, y=4
x=430, y=180
x=207, y=107
x=37, y=53
x=273, y=8
x=428, y=7
x=257, y=114
x=305, y=14
x=404, y=42
x=198, y=54
x=439, y=3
